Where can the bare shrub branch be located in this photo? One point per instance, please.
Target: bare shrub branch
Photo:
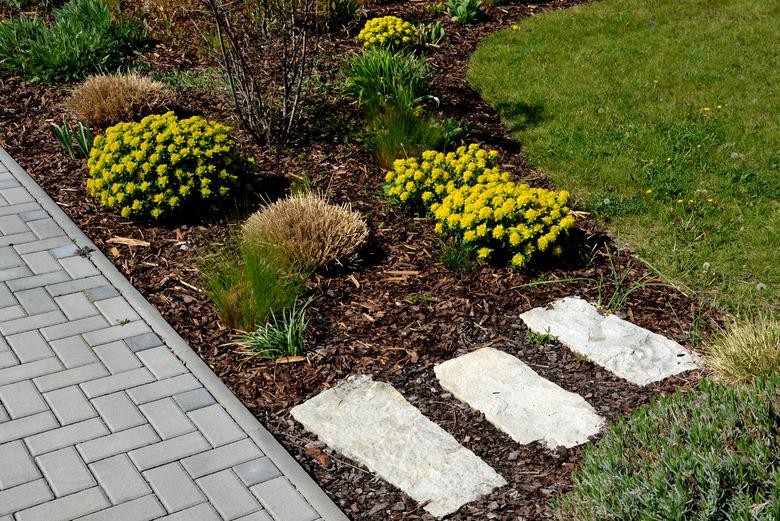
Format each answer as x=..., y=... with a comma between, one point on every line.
x=267, y=49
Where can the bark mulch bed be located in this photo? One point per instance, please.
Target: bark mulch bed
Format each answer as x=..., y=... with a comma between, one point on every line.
x=397, y=310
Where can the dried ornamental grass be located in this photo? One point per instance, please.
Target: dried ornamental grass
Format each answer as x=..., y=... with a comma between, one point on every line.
x=308, y=230
x=747, y=349
x=106, y=99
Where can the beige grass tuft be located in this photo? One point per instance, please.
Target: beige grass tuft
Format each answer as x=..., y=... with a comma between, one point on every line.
x=746, y=349
x=307, y=230
x=107, y=99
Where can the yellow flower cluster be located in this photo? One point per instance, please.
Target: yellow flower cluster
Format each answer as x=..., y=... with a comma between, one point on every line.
x=474, y=201
x=418, y=183
x=162, y=165
x=387, y=31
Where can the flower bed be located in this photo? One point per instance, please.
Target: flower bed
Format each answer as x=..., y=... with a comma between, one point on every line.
x=393, y=311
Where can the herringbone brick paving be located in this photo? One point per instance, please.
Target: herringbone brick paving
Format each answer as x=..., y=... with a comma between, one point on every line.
x=99, y=419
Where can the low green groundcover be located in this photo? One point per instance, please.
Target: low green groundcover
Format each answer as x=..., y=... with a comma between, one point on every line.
x=711, y=454
x=84, y=37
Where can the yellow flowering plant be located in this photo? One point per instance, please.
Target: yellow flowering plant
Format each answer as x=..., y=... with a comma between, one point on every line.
x=388, y=31
x=417, y=183
x=472, y=200
x=163, y=165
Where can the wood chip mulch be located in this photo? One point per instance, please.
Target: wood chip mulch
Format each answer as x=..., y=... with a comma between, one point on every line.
x=396, y=311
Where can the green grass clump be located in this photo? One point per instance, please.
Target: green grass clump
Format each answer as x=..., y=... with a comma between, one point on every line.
x=392, y=87
x=398, y=132
x=83, y=38
x=709, y=455
x=209, y=79
x=280, y=336
x=249, y=284
x=662, y=120
x=378, y=78
x=746, y=349
x=457, y=256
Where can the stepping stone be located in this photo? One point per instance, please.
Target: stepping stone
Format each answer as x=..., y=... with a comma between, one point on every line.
x=372, y=423
x=517, y=400
x=631, y=352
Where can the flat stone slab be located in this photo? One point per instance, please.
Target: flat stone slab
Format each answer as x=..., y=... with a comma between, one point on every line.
x=372, y=423
x=514, y=398
x=631, y=352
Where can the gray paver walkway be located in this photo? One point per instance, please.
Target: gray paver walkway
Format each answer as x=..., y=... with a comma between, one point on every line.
x=105, y=412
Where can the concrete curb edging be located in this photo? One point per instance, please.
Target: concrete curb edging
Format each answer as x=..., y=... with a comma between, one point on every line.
x=315, y=496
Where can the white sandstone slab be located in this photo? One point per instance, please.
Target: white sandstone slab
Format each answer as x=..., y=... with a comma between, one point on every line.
x=514, y=398
x=631, y=352
x=373, y=424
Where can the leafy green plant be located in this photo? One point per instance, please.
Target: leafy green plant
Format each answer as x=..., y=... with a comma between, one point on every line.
x=391, y=88
x=339, y=13
x=84, y=37
x=435, y=7
x=747, y=348
x=421, y=298
x=453, y=132
x=379, y=77
x=539, y=339
x=431, y=34
x=463, y=11
x=65, y=134
x=709, y=454
x=282, y=335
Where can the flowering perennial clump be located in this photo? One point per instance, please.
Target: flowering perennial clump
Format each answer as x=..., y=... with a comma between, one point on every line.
x=419, y=183
x=387, y=31
x=162, y=165
x=472, y=200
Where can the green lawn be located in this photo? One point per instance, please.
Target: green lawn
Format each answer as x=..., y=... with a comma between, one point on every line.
x=663, y=117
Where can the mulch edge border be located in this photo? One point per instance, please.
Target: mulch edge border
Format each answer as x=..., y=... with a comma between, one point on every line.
x=302, y=481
